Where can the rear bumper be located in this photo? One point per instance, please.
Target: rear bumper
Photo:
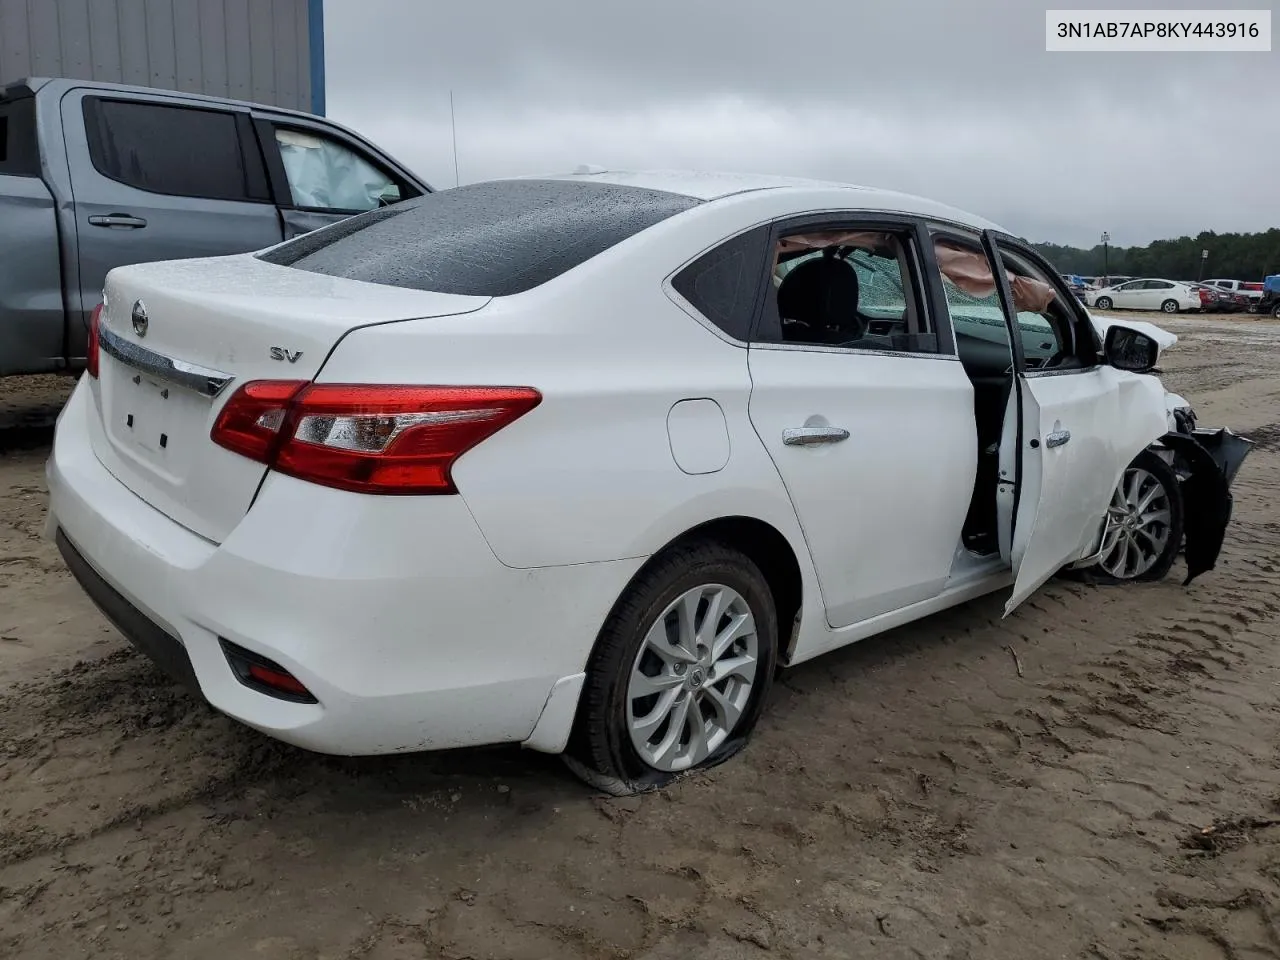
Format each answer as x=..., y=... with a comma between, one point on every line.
x=393, y=611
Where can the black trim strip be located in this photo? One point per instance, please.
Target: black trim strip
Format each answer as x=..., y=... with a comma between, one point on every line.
x=160, y=646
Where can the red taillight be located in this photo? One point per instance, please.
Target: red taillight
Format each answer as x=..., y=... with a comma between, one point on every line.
x=92, y=348
x=252, y=419
x=366, y=438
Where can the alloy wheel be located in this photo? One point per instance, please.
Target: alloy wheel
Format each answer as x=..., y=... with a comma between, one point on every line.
x=1138, y=525
x=692, y=678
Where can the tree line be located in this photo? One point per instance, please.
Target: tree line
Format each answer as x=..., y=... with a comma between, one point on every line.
x=1233, y=256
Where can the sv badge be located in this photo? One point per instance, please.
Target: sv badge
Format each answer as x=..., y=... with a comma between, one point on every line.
x=282, y=353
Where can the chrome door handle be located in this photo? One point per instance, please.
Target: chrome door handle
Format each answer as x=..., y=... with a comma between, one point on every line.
x=1057, y=438
x=118, y=220
x=809, y=436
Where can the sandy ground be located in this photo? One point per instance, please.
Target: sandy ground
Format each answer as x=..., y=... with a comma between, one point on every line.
x=1095, y=777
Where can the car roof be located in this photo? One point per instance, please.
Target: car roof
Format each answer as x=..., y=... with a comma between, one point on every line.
x=715, y=185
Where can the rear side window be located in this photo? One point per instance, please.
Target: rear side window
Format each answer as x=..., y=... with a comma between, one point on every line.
x=19, y=150
x=486, y=239
x=179, y=151
x=723, y=284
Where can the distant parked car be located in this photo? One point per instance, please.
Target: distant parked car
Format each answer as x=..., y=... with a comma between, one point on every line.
x=1254, y=291
x=1163, y=295
x=1212, y=300
x=98, y=175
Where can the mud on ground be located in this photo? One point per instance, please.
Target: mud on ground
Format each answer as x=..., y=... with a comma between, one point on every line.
x=1094, y=777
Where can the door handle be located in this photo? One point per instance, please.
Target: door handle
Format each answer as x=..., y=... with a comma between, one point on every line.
x=118, y=220
x=810, y=436
x=1057, y=438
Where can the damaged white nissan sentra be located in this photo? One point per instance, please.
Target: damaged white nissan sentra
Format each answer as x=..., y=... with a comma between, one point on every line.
x=577, y=462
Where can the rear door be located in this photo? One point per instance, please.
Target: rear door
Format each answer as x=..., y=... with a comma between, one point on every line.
x=159, y=178
x=31, y=316
x=1072, y=437
x=321, y=174
x=871, y=432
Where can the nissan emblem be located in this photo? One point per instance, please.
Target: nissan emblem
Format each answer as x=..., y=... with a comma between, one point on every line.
x=140, y=321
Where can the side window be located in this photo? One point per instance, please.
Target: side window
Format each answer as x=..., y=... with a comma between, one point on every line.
x=982, y=335
x=846, y=287
x=19, y=151
x=326, y=175
x=180, y=151
x=723, y=283
x=1045, y=318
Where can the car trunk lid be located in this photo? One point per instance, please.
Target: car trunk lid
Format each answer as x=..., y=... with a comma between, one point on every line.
x=178, y=338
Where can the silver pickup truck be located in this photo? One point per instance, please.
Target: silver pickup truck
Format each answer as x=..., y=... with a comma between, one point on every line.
x=96, y=175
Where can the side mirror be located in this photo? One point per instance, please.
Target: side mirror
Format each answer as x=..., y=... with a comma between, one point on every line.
x=1129, y=349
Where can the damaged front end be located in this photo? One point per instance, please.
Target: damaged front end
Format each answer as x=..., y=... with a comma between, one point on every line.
x=1206, y=461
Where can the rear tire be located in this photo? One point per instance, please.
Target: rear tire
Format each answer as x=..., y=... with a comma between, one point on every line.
x=1145, y=549
x=652, y=708
x=1275, y=311
x=1102, y=303
x=1169, y=306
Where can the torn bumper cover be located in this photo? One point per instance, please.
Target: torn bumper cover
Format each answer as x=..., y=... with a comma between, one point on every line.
x=1211, y=458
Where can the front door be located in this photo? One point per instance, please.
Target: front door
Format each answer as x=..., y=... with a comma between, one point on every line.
x=871, y=429
x=1072, y=437
x=159, y=178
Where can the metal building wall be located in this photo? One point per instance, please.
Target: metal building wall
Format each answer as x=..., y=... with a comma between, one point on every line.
x=271, y=51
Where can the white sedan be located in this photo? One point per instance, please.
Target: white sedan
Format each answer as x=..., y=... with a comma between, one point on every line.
x=1167, y=296
x=578, y=462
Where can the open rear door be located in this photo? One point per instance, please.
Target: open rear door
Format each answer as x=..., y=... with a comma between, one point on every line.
x=1071, y=439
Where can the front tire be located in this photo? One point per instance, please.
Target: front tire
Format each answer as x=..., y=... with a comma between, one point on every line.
x=679, y=673
x=1147, y=528
x=1169, y=306
x=1102, y=303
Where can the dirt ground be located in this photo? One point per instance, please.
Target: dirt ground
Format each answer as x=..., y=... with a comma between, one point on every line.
x=1095, y=777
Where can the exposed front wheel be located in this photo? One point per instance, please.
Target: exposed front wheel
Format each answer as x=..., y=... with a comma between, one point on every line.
x=1103, y=303
x=1145, y=523
x=1169, y=306
x=679, y=673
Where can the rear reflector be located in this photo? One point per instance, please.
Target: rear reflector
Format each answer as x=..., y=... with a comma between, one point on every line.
x=264, y=675
x=93, y=349
x=367, y=438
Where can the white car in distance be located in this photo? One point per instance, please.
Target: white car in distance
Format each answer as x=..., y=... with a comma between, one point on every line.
x=1167, y=296
x=577, y=462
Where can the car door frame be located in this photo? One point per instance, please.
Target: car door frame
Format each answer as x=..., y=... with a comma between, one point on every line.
x=1145, y=427
x=266, y=121
x=926, y=287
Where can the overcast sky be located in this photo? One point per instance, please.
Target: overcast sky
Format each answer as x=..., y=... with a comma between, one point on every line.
x=956, y=100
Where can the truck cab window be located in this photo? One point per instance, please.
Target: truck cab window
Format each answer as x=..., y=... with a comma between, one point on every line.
x=179, y=151
x=326, y=175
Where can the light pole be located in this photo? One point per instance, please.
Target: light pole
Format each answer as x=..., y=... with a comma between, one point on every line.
x=1106, y=267
x=1204, y=256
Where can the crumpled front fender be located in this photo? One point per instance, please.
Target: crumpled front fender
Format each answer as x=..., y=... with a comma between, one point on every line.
x=1212, y=457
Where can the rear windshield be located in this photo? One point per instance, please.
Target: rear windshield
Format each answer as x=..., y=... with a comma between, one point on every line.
x=486, y=239
x=19, y=152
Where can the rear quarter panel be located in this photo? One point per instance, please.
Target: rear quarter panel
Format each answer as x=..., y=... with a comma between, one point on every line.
x=589, y=474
